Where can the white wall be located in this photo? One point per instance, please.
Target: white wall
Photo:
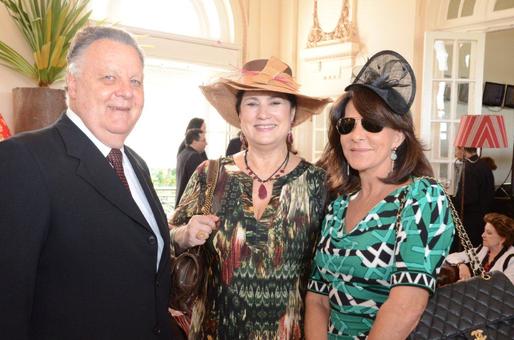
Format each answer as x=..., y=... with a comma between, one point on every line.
x=499, y=68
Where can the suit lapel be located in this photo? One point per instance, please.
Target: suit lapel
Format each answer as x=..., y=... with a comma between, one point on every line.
x=153, y=200
x=150, y=193
x=95, y=170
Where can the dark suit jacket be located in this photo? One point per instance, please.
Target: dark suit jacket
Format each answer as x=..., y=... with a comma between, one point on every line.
x=234, y=146
x=478, y=197
x=187, y=161
x=77, y=257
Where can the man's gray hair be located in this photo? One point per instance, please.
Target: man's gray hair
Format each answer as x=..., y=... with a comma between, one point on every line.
x=85, y=37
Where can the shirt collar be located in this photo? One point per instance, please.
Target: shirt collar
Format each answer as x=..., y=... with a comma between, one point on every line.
x=104, y=149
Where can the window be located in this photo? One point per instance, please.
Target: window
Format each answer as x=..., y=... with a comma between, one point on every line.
x=452, y=88
x=460, y=9
x=192, y=18
x=188, y=43
x=501, y=5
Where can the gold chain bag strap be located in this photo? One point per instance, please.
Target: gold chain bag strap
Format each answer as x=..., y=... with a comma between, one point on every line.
x=188, y=269
x=479, y=308
x=476, y=266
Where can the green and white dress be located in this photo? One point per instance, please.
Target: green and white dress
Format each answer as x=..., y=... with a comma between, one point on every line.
x=260, y=270
x=357, y=269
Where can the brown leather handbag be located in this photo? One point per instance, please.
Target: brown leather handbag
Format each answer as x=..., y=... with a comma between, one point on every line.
x=188, y=270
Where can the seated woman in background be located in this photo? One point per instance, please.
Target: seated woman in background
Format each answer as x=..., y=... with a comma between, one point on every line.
x=370, y=279
x=496, y=251
x=269, y=206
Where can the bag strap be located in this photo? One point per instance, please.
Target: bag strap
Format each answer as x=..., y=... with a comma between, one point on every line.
x=403, y=198
x=212, y=180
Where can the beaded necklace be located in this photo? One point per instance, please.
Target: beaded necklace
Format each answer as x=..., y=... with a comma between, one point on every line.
x=263, y=193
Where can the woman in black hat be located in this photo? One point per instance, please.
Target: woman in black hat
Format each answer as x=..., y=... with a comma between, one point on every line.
x=370, y=279
x=268, y=210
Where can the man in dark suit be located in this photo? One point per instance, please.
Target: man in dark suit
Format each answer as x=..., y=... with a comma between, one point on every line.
x=84, y=243
x=189, y=158
x=478, y=189
x=234, y=145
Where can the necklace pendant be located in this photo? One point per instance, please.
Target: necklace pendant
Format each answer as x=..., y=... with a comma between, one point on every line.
x=263, y=193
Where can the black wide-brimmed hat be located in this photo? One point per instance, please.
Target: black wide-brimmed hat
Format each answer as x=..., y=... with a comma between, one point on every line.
x=390, y=76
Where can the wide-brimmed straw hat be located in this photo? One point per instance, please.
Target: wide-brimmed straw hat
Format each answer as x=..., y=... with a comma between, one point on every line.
x=260, y=75
x=390, y=76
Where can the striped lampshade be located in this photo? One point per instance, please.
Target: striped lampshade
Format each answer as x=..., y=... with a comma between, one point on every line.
x=482, y=131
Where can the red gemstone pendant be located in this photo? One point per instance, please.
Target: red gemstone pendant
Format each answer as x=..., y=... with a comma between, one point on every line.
x=263, y=193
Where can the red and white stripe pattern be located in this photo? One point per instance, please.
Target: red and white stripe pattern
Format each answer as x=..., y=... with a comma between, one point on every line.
x=482, y=131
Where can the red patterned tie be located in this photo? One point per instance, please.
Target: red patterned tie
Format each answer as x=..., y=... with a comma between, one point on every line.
x=115, y=157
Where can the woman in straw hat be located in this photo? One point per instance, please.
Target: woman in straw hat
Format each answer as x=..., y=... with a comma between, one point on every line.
x=269, y=204
x=369, y=278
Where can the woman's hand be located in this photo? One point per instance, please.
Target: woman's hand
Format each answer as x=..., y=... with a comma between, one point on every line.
x=464, y=272
x=195, y=232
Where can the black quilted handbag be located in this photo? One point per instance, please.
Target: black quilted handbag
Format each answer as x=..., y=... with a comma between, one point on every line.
x=479, y=308
x=471, y=309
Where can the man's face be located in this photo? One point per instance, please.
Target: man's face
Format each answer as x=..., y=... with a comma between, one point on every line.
x=106, y=92
x=459, y=152
x=201, y=144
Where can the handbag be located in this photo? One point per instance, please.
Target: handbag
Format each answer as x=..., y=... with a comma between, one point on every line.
x=479, y=308
x=188, y=274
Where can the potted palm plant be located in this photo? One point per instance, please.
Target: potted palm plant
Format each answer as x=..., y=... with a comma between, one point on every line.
x=48, y=26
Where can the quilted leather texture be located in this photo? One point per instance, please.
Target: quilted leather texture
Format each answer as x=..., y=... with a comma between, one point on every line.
x=456, y=310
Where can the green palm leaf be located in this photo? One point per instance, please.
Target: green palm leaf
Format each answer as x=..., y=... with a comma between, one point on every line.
x=48, y=27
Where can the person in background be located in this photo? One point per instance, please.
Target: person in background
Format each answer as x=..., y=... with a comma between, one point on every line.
x=476, y=195
x=194, y=123
x=268, y=208
x=496, y=251
x=370, y=279
x=490, y=162
x=4, y=129
x=234, y=145
x=84, y=243
x=189, y=158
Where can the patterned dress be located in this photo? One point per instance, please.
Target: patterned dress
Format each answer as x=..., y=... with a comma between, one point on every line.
x=261, y=267
x=357, y=269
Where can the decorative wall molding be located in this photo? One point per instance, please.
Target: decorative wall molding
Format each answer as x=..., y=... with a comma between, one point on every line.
x=344, y=30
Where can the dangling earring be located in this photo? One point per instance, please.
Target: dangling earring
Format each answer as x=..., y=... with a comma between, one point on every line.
x=244, y=143
x=290, y=137
x=347, y=170
x=393, y=157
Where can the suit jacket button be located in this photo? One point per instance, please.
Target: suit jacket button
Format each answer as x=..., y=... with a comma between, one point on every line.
x=152, y=240
x=157, y=283
x=156, y=330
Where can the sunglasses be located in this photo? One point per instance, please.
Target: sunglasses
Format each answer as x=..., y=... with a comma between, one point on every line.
x=346, y=125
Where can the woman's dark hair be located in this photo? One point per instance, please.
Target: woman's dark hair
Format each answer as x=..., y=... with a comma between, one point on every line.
x=490, y=162
x=195, y=123
x=291, y=98
x=504, y=226
x=411, y=160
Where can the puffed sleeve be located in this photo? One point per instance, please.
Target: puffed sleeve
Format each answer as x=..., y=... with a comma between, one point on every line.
x=424, y=237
